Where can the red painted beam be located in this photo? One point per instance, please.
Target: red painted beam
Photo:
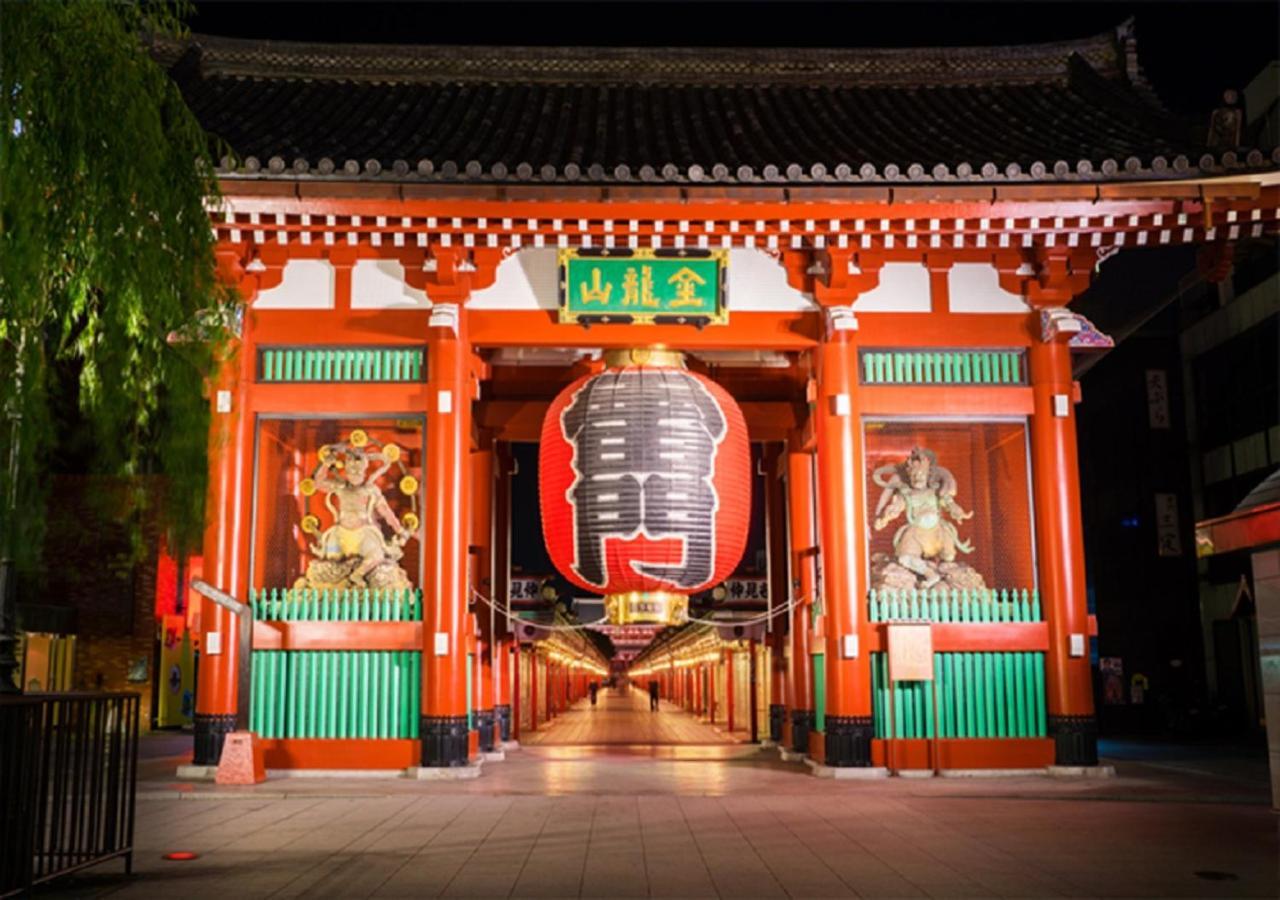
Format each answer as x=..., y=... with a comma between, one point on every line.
x=746, y=331
x=967, y=753
x=951, y=400
x=337, y=635
x=982, y=637
x=340, y=753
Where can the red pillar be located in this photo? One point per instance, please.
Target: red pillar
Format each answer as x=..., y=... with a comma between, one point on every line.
x=503, y=656
x=444, y=682
x=1060, y=553
x=776, y=528
x=753, y=699
x=848, y=726
x=803, y=556
x=228, y=501
x=482, y=464
x=517, y=709
x=533, y=687
x=730, y=718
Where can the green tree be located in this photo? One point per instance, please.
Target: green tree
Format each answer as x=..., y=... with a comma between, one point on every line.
x=105, y=252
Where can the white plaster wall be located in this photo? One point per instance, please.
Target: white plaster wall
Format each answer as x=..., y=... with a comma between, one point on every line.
x=307, y=284
x=758, y=283
x=527, y=280
x=903, y=287
x=380, y=284
x=975, y=288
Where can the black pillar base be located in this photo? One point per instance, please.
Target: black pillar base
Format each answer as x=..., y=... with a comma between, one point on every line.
x=444, y=740
x=502, y=718
x=1075, y=740
x=849, y=741
x=777, y=715
x=211, y=730
x=484, y=724
x=801, y=724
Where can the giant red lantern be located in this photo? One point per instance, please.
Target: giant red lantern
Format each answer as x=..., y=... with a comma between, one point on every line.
x=645, y=484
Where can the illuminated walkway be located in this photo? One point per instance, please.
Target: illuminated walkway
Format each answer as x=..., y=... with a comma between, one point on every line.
x=699, y=821
x=624, y=718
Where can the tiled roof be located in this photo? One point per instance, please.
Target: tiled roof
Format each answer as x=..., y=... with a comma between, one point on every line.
x=1070, y=111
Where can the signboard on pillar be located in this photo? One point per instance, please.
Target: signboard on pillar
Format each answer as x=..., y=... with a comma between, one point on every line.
x=643, y=286
x=1168, y=534
x=910, y=652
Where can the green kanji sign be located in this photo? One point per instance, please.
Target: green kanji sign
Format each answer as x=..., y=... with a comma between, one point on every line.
x=643, y=286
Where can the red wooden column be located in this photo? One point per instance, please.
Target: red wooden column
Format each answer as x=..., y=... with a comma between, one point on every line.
x=753, y=701
x=1060, y=552
x=482, y=464
x=444, y=679
x=840, y=491
x=503, y=641
x=533, y=687
x=515, y=708
x=841, y=277
x=226, y=536
x=1060, y=274
x=729, y=717
x=775, y=506
x=803, y=552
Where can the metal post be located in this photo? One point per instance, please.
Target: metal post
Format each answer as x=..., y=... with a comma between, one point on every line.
x=244, y=671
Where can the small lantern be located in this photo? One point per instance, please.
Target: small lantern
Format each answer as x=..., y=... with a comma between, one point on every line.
x=645, y=483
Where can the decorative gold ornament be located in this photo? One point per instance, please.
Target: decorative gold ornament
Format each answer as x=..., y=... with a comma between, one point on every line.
x=408, y=485
x=307, y=487
x=325, y=453
x=358, y=438
x=311, y=524
x=643, y=356
x=646, y=608
x=391, y=453
x=410, y=521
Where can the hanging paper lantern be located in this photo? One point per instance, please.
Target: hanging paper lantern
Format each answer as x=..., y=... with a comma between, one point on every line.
x=645, y=484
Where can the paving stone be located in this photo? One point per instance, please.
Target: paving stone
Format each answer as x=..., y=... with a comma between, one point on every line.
x=690, y=821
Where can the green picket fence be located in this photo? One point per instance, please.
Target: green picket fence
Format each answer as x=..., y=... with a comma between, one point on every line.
x=943, y=367
x=335, y=364
x=352, y=605
x=947, y=605
x=336, y=693
x=980, y=695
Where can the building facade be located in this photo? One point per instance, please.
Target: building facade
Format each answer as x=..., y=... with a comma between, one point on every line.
x=898, y=237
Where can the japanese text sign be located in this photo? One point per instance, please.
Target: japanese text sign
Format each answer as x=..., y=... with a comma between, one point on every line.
x=643, y=286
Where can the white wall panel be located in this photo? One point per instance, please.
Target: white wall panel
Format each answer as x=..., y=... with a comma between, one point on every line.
x=975, y=288
x=380, y=284
x=307, y=284
x=903, y=287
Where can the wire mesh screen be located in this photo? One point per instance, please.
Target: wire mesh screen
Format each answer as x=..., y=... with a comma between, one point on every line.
x=288, y=457
x=971, y=505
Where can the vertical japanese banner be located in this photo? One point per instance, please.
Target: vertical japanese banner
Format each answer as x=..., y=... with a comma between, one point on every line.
x=1157, y=398
x=1168, y=537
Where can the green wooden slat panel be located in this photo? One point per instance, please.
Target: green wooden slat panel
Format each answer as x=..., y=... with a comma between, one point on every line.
x=336, y=694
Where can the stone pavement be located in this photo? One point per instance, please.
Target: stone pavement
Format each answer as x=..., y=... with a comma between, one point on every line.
x=711, y=820
x=624, y=717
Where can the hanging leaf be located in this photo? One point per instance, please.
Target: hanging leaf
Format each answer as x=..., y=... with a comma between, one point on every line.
x=105, y=252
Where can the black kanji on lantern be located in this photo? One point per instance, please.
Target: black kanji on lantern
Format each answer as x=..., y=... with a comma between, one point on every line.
x=644, y=449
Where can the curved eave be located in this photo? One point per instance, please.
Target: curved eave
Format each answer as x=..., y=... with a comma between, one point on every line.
x=1159, y=169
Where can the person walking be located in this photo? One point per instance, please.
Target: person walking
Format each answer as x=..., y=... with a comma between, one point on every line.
x=653, y=696
x=593, y=688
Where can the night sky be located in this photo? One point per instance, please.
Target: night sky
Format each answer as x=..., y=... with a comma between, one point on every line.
x=1190, y=51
